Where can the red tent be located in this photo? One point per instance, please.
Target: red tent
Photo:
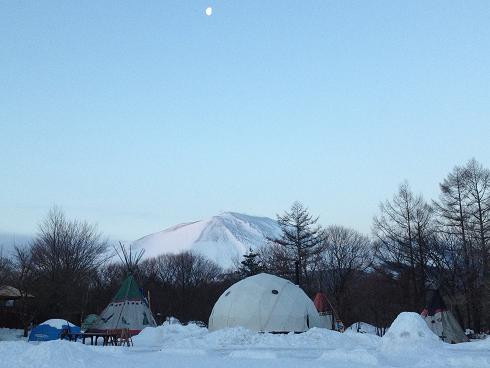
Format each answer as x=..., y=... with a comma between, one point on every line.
x=326, y=312
x=321, y=303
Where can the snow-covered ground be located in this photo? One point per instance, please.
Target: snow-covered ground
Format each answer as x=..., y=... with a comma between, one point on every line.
x=409, y=343
x=8, y=334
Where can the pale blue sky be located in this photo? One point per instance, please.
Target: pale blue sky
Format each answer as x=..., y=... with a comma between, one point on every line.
x=139, y=115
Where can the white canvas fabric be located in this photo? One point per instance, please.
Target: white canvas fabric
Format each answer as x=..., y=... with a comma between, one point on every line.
x=441, y=321
x=264, y=303
x=445, y=325
x=326, y=321
x=134, y=315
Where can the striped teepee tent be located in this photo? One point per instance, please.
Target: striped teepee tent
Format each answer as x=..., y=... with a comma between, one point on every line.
x=129, y=308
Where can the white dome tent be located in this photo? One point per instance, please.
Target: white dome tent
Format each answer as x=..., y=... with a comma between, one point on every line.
x=264, y=303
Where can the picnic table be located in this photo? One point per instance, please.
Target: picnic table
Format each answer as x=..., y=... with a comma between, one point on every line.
x=109, y=337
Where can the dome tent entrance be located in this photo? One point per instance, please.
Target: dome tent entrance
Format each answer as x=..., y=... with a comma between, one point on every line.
x=264, y=303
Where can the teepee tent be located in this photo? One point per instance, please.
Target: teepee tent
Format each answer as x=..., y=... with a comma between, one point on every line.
x=129, y=308
x=89, y=321
x=441, y=321
x=264, y=303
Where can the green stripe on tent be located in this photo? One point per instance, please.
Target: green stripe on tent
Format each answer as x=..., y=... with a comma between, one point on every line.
x=128, y=290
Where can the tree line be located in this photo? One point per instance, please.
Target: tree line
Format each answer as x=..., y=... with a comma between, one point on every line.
x=415, y=245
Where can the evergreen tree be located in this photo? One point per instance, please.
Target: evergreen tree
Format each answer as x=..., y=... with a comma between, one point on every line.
x=301, y=238
x=250, y=265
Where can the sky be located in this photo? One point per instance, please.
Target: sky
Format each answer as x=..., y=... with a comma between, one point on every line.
x=138, y=115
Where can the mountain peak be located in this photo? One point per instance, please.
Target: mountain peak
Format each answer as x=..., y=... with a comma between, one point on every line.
x=222, y=238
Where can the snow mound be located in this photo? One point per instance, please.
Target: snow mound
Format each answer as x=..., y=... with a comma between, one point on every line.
x=476, y=345
x=362, y=327
x=8, y=334
x=185, y=338
x=167, y=334
x=408, y=332
x=55, y=353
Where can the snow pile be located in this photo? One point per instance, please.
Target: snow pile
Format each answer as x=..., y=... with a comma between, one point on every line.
x=56, y=353
x=167, y=334
x=192, y=337
x=362, y=327
x=227, y=337
x=476, y=345
x=408, y=332
x=8, y=334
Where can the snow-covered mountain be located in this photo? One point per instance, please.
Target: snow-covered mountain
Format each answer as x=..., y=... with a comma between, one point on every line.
x=222, y=238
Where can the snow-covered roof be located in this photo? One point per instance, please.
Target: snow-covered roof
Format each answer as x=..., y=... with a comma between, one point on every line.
x=9, y=292
x=57, y=323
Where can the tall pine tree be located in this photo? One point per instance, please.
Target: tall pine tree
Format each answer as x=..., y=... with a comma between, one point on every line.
x=250, y=265
x=302, y=238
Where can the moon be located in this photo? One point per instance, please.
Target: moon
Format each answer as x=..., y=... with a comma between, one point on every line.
x=209, y=11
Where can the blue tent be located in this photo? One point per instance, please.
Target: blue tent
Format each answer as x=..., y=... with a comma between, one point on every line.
x=51, y=330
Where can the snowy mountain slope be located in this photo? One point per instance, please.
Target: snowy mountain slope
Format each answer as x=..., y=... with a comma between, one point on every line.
x=222, y=238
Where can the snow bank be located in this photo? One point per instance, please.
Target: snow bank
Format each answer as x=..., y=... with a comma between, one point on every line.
x=192, y=336
x=167, y=334
x=362, y=327
x=408, y=332
x=8, y=334
x=52, y=353
x=474, y=345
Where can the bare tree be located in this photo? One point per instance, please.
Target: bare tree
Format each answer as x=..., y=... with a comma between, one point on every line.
x=403, y=230
x=454, y=222
x=347, y=254
x=6, y=267
x=22, y=276
x=464, y=216
x=185, y=275
x=65, y=256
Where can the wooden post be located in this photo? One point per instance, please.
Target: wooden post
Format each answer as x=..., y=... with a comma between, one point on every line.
x=149, y=301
